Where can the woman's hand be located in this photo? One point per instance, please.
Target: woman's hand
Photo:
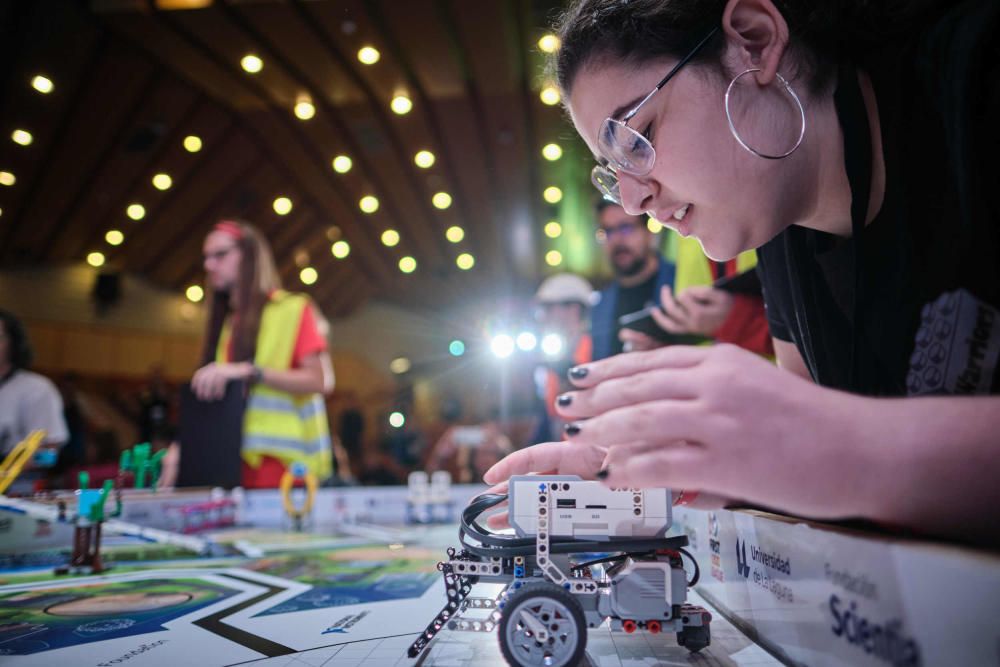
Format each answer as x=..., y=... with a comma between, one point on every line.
x=209, y=381
x=717, y=419
x=700, y=309
x=547, y=458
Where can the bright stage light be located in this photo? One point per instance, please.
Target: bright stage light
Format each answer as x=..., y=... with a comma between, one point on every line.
x=552, y=345
x=502, y=346
x=526, y=341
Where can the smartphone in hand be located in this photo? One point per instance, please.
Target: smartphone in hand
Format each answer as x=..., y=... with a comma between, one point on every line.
x=643, y=322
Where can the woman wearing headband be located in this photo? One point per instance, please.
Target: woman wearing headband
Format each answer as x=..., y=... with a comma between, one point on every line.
x=850, y=143
x=273, y=340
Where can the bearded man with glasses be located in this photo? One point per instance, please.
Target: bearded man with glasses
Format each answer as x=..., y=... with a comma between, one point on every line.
x=641, y=272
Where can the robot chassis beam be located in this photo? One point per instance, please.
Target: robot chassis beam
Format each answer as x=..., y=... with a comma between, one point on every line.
x=548, y=603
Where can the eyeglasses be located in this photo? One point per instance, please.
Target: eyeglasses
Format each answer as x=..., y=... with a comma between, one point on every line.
x=624, y=230
x=623, y=148
x=219, y=254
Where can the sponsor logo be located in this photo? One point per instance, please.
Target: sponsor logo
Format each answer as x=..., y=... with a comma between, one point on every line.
x=762, y=576
x=852, y=582
x=715, y=547
x=742, y=568
x=343, y=625
x=884, y=641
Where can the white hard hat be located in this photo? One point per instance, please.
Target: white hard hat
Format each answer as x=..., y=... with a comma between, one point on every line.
x=565, y=287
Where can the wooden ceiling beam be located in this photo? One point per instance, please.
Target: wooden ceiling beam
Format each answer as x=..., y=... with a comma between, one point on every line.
x=362, y=239
x=11, y=248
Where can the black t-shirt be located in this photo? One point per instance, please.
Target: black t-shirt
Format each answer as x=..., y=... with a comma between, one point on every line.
x=926, y=319
x=631, y=299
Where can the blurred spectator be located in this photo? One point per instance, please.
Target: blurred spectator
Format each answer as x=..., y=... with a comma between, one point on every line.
x=468, y=451
x=28, y=401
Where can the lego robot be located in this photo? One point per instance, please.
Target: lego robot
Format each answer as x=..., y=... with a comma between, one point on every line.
x=552, y=593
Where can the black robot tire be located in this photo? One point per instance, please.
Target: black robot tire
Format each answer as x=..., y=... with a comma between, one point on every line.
x=561, y=614
x=695, y=638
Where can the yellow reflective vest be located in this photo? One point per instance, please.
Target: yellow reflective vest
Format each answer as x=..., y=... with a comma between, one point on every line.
x=694, y=268
x=288, y=427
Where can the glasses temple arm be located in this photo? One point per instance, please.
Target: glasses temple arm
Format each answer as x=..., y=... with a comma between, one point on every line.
x=676, y=68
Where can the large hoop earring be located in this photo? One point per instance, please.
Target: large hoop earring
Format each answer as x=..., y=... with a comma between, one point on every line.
x=736, y=135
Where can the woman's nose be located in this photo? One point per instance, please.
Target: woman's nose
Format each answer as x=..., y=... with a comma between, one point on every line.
x=636, y=193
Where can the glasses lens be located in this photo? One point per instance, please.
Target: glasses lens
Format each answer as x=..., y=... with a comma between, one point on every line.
x=625, y=148
x=606, y=183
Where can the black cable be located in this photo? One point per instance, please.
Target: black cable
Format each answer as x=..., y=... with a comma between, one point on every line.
x=697, y=570
x=506, y=546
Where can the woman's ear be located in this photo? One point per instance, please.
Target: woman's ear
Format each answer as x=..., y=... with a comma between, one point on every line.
x=757, y=34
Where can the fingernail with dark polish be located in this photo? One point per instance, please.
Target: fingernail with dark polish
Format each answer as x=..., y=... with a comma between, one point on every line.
x=578, y=372
x=564, y=400
x=603, y=473
x=572, y=429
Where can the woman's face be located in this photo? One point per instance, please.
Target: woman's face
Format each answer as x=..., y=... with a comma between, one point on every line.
x=222, y=260
x=735, y=201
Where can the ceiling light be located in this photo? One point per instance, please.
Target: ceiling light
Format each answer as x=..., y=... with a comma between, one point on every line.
x=549, y=95
x=654, y=225
x=552, y=194
x=22, y=137
x=441, y=200
x=162, y=181
x=400, y=365
x=251, y=63
x=390, y=237
x=114, y=237
x=407, y=264
x=7, y=178
x=341, y=249
x=549, y=43
x=526, y=341
x=553, y=258
x=553, y=229
x=304, y=110
x=95, y=259
x=194, y=293
x=454, y=234
x=308, y=275
x=342, y=164
x=368, y=55
x=401, y=104
x=397, y=419
x=465, y=261
x=368, y=203
x=282, y=205
x=136, y=211
x=42, y=84
x=424, y=159
x=551, y=152
x=192, y=143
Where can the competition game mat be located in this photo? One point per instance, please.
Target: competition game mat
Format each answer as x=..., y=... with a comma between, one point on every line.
x=354, y=587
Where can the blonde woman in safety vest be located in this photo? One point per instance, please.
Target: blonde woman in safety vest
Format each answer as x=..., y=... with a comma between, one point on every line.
x=275, y=341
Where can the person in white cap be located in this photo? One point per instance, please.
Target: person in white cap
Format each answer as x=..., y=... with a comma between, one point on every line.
x=563, y=312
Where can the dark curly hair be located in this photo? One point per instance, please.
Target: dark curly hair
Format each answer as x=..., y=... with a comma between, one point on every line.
x=822, y=34
x=21, y=354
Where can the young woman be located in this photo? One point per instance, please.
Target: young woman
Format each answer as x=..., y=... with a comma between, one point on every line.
x=272, y=339
x=851, y=146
